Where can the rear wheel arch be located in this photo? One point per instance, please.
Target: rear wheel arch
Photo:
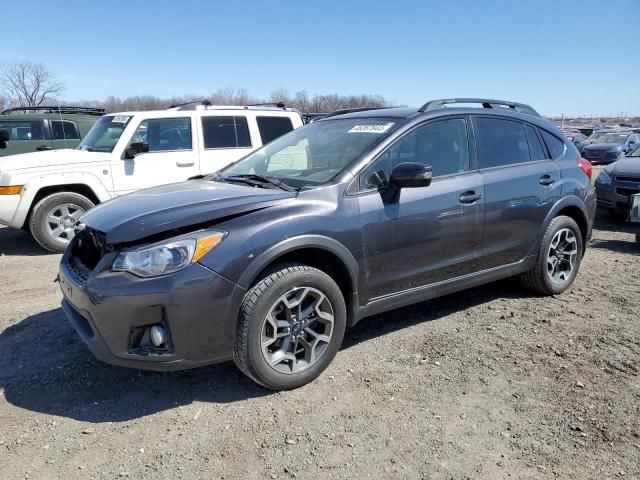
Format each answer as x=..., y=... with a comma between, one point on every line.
x=573, y=208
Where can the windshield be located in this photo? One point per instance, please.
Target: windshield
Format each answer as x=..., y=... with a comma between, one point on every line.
x=635, y=153
x=104, y=134
x=314, y=154
x=612, y=138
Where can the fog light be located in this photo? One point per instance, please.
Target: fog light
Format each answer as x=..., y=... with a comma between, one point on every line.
x=157, y=335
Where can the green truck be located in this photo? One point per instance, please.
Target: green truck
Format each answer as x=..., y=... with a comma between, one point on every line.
x=30, y=129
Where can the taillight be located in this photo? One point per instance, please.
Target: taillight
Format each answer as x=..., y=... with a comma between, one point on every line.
x=585, y=166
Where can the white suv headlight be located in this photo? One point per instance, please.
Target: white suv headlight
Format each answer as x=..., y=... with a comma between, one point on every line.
x=167, y=257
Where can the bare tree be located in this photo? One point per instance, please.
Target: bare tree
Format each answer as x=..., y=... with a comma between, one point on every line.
x=28, y=84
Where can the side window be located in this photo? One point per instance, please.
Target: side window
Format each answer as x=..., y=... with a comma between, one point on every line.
x=442, y=144
x=64, y=130
x=501, y=142
x=164, y=134
x=226, y=132
x=553, y=143
x=23, y=130
x=535, y=147
x=273, y=127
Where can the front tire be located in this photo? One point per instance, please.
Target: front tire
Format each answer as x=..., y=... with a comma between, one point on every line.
x=291, y=325
x=558, y=259
x=54, y=218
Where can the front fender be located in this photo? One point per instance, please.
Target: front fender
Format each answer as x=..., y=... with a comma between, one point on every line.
x=297, y=243
x=37, y=183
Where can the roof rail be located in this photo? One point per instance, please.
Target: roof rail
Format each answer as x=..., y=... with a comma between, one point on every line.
x=204, y=102
x=344, y=111
x=56, y=109
x=485, y=102
x=268, y=104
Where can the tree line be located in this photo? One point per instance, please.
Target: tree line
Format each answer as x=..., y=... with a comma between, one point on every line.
x=28, y=84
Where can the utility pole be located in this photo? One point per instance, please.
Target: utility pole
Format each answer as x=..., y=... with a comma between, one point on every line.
x=562, y=122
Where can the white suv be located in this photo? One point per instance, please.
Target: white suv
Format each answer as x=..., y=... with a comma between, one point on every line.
x=46, y=192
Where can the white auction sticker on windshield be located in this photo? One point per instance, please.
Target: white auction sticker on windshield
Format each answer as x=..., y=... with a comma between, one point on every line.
x=120, y=119
x=377, y=128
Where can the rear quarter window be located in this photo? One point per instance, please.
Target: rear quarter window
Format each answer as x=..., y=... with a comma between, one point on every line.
x=553, y=143
x=273, y=127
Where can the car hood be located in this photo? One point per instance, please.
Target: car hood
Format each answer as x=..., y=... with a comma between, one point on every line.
x=598, y=147
x=48, y=158
x=628, y=165
x=155, y=210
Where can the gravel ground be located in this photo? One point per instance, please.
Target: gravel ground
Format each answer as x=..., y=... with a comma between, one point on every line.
x=491, y=383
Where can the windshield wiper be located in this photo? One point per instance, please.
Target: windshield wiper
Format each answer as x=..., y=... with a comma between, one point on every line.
x=84, y=148
x=258, y=180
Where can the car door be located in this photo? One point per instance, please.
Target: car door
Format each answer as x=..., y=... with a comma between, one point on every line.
x=521, y=184
x=428, y=234
x=225, y=138
x=64, y=134
x=25, y=136
x=168, y=155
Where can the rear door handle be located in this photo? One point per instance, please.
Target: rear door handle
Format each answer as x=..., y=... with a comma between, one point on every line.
x=184, y=164
x=469, y=197
x=546, y=180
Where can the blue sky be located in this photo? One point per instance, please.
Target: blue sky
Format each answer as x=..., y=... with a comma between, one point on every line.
x=542, y=52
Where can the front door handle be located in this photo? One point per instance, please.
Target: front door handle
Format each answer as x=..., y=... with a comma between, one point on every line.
x=546, y=180
x=469, y=197
x=43, y=147
x=184, y=164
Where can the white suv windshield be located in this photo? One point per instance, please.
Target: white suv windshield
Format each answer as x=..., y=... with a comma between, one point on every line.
x=314, y=154
x=104, y=134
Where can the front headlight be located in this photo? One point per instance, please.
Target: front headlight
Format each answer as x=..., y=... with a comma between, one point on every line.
x=604, y=178
x=168, y=257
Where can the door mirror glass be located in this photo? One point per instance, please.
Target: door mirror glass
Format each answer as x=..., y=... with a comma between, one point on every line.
x=412, y=175
x=134, y=149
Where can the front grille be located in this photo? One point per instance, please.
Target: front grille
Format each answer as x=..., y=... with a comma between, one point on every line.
x=621, y=178
x=627, y=192
x=87, y=249
x=596, y=155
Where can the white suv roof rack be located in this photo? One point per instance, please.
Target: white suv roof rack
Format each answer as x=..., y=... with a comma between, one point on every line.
x=206, y=105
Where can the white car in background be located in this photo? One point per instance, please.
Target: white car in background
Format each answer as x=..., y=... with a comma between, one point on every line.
x=47, y=192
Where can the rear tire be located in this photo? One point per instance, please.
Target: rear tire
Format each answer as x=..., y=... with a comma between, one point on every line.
x=558, y=259
x=290, y=327
x=53, y=219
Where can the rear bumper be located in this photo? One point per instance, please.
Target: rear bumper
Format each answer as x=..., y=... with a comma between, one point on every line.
x=197, y=307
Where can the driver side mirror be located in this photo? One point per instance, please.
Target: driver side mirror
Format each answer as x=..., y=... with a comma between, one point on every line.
x=412, y=175
x=4, y=138
x=134, y=149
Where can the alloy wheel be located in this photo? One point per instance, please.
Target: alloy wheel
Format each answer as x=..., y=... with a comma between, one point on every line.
x=562, y=255
x=297, y=330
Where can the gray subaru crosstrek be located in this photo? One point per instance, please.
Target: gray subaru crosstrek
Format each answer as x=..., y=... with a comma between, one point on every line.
x=269, y=260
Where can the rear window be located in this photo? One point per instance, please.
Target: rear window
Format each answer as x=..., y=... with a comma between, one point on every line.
x=553, y=143
x=501, y=142
x=273, y=127
x=64, y=130
x=23, y=130
x=226, y=132
x=535, y=147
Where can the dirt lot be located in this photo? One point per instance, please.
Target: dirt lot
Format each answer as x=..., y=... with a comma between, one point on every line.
x=493, y=383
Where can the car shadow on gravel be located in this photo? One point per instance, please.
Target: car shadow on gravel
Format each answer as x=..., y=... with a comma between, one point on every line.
x=45, y=367
x=607, y=223
x=430, y=310
x=18, y=242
